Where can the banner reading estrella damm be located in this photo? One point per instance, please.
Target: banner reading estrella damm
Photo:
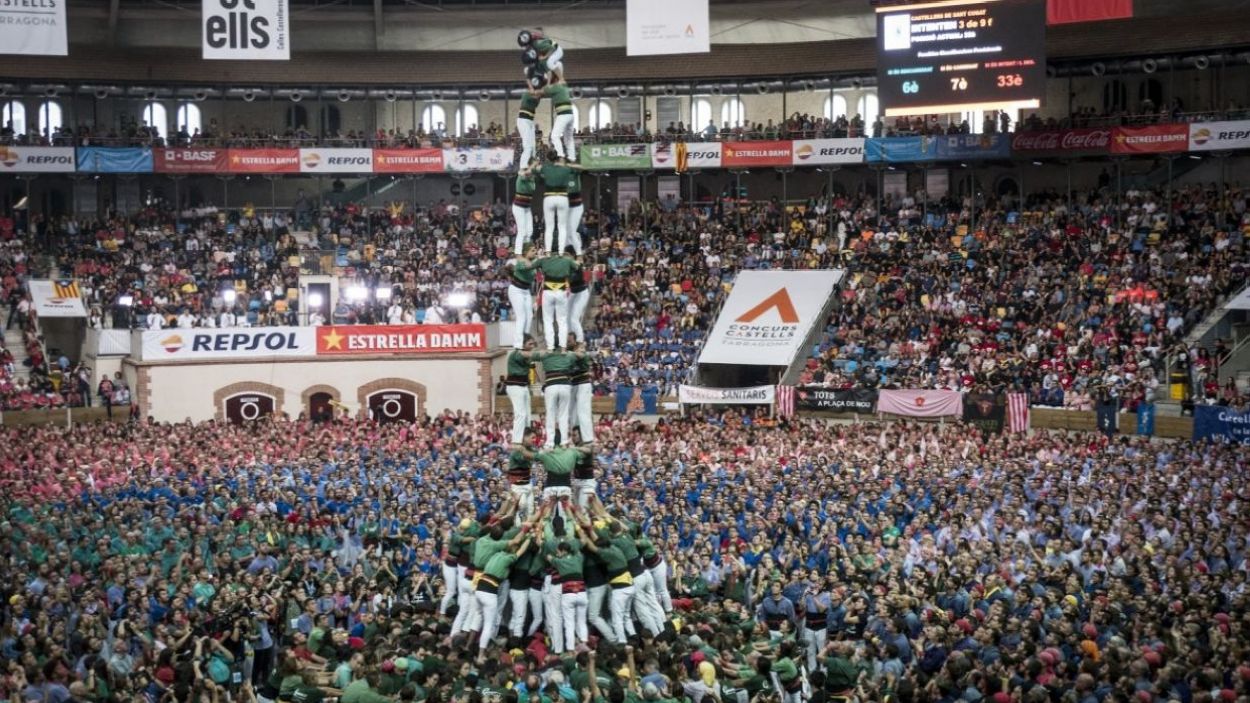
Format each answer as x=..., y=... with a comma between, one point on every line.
x=400, y=339
x=616, y=156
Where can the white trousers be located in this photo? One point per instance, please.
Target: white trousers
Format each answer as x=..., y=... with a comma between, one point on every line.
x=816, y=639
x=451, y=579
x=555, y=213
x=524, y=218
x=645, y=605
x=573, y=611
x=525, y=127
x=659, y=578
x=520, y=397
x=583, y=489
x=522, y=302
x=555, y=311
x=575, y=223
x=469, y=617
x=519, y=599
x=583, y=395
x=524, y=493
x=619, y=605
x=578, y=302
x=556, y=399
x=553, y=618
x=562, y=136
x=488, y=603
x=594, y=612
x=555, y=60
x=536, y=609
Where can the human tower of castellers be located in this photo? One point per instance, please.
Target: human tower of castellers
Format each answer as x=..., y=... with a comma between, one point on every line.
x=561, y=563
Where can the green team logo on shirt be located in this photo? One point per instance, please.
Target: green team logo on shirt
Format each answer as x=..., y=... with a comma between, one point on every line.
x=616, y=156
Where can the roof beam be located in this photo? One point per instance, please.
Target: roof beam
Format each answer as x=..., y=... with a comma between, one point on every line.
x=114, y=10
x=378, y=26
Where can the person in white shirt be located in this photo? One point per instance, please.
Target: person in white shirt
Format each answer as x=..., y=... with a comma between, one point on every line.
x=185, y=320
x=155, y=320
x=433, y=315
x=316, y=319
x=228, y=319
x=395, y=314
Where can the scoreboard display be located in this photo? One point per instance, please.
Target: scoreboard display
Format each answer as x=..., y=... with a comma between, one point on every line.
x=961, y=55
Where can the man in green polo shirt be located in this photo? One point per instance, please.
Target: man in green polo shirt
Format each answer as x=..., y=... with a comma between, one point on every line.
x=522, y=202
x=565, y=556
x=493, y=575
x=558, y=272
x=562, y=128
x=525, y=126
x=558, y=368
x=517, y=386
x=555, y=178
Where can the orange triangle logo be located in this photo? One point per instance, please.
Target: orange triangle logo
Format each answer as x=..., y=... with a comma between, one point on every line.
x=781, y=301
x=690, y=30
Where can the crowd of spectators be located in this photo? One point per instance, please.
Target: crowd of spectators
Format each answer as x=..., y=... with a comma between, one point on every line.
x=286, y=560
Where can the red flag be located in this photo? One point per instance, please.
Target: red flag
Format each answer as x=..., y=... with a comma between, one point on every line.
x=785, y=401
x=1017, y=412
x=1068, y=11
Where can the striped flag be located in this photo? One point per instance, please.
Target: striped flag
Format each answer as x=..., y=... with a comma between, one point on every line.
x=66, y=289
x=1017, y=412
x=785, y=401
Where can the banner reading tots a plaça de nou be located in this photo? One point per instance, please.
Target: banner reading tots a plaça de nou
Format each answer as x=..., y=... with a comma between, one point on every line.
x=751, y=395
x=1216, y=422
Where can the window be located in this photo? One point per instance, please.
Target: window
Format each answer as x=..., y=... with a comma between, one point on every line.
x=331, y=119
x=733, y=112
x=700, y=113
x=189, y=118
x=466, y=119
x=835, y=106
x=297, y=117
x=14, y=115
x=154, y=116
x=433, y=117
x=868, y=108
x=600, y=115
x=49, y=118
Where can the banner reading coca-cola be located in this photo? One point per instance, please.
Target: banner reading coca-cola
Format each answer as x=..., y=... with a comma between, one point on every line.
x=1072, y=142
x=1150, y=139
x=190, y=161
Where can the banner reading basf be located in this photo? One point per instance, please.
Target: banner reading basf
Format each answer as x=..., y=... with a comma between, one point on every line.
x=190, y=161
x=818, y=152
x=407, y=160
x=656, y=27
x=36, y=159
x=336, y=161
x=400, y=339
x=264, y=160
x=752, y=395
x=1151, y=139
x=767, y=316
x=33, y=27
x=860, y=400
x=228, y=343
x=761, y=153
x=1217, y=136
x=1220, y=423
x=248, y=30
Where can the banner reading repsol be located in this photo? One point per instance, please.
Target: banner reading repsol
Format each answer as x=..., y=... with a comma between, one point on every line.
x=257, y=30
x=229, y=343
x=860, y=400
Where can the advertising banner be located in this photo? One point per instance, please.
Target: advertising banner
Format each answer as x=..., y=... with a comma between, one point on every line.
x=628, y=189
x=105, y=159
x=973, y=146
x=335, y=160
x=1150, y=139
x=900, y=149
x=400, y=339
x=685, y=156
x=264, y=160
x=1063, y=141
x=767, y=316
x=35, y=28
x=1219, y=423
x=656, y=27
x=818, y=152
x=407, y=160
x=57, y=299
x=36, y=159
x=986, y=411
x=753, y=395
x=229, y=343
x=761, y=153
x=253, y=30
x=914, y=403
x=1219, y=136
x=190, y=161
x=862, y=400
x=616, y=156
x=488, y=159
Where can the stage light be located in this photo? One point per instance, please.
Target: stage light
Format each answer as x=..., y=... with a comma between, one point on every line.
x=357, y=293
x=126, y=300
x=229, y=296
x=314, y=300
x=459, y=299
x=382, y=294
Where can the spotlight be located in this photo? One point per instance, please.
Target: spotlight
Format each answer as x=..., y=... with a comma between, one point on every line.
x=229, y=296
x=315, y=300
x=126, y=300
x=458, y=299
x=382, y=293
x=357, y=293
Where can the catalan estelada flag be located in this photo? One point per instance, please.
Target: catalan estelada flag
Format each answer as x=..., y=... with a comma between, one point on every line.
x=66, y=289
